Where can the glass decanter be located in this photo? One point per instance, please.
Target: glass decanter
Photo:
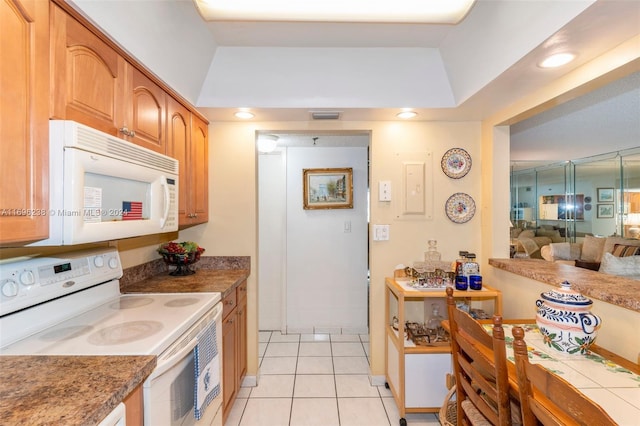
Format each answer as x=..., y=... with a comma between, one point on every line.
x=432, y=252
x=434, y=324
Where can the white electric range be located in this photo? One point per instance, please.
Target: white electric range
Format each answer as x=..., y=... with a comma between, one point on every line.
x=71, y=305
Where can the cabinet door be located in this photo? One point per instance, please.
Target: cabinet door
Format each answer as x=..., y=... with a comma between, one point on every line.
x=146, y=120
x=178, y=136
x=229, y=343
x=241, y=297
x=88, y=77
x=242, y=341
x=24, y=124
x=199, y=166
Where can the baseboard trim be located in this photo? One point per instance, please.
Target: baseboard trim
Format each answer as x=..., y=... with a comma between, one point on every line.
x=249, y=381
x=377, y=380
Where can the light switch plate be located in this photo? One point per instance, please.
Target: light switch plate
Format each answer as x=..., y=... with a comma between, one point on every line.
x=384, y=190
x=380, y=232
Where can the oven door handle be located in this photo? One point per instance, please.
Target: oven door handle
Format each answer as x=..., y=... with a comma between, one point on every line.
x=167, y=363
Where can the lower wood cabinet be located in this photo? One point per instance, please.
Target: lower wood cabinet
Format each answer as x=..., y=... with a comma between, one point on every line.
x=134, y=407
x=234, y=345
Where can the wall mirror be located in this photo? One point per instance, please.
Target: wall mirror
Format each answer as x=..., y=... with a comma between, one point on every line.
x=565, y=157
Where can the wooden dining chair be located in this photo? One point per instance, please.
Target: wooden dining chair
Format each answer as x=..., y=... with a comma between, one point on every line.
x=480, y=369
x=547, y=398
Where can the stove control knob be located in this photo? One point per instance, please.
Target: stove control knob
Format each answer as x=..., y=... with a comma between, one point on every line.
x=10, y=288
x=27, y=278
x=113, y=263
x=98, y=261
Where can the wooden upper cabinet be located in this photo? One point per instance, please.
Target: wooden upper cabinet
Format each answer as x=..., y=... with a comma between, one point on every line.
x=94, y=85
x=187, y=142
x=24, y=125
x=146, y=117
x=88, y=77
x=199, y=185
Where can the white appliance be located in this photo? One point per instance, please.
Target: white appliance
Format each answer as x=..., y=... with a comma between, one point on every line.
x=71, y=305
x=105, y=188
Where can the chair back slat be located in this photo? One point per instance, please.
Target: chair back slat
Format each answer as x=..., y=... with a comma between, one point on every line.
x=480, y=367
x=547, y=398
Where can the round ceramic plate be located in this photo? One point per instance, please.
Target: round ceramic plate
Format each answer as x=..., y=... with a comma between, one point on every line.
x=456, y=163
x=460, y=207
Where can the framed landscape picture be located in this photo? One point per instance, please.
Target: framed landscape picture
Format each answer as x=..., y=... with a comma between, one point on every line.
x=605, y=195
x=605, y=211
x=327, y=188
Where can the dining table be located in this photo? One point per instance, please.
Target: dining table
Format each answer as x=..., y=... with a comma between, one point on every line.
x=610, y=381
x=602, y=376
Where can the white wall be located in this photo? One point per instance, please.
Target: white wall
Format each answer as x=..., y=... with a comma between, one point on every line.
x=272, y=225
x=326, y=267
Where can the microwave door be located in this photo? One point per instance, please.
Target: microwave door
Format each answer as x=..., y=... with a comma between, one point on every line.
x=107, y=198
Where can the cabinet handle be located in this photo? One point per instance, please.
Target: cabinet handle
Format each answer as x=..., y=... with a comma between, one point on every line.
x=127, y=132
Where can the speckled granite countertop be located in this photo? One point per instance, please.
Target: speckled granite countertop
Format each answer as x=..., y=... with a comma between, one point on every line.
x=204, y=280
x=63, y=390
x=213, y=274
x=619, y=291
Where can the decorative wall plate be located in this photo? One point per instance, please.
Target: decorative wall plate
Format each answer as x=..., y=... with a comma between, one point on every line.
x=456, y=163
x=460, y=207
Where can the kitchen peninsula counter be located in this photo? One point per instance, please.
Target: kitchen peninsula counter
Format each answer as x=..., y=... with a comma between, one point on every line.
x=619, y=291
x=616, y=300
x=66, y=390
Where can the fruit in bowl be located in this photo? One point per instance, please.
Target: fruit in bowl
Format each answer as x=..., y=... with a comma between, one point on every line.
x=181, y=255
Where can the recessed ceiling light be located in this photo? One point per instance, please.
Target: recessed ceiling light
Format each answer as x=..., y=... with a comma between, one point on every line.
x=419, y=11
x=406, y=114
x=245, y=115
x=557, y=60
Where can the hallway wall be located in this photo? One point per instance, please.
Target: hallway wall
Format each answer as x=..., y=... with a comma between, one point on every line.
x=326, y=265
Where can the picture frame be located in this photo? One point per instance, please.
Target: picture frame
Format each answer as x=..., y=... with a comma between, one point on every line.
x=330, y=188
x=605, y=211
x=605, y=195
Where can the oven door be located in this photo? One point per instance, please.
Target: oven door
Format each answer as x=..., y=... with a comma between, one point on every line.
x=169, y=390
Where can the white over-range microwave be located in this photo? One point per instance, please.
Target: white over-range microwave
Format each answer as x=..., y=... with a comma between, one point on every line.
x=105, y=188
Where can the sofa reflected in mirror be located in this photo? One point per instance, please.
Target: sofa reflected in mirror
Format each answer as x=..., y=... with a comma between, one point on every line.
x=610, y=255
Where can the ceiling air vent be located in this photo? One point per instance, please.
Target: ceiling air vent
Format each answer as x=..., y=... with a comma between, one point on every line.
x=325, y=115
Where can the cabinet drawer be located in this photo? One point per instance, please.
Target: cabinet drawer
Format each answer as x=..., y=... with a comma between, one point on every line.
x=229, y=303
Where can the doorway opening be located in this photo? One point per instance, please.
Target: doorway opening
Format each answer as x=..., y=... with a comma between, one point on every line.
x=313, y=269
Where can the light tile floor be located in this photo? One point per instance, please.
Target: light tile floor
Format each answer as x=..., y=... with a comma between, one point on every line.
x=317, y=379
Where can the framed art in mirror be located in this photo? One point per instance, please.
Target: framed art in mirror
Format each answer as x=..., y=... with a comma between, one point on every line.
x=605, y=195
x=605, y=211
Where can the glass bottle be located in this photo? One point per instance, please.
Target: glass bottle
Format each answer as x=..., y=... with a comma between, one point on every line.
x=462, y=258
x=470, y=267
x=432, y=252
x=434, y=324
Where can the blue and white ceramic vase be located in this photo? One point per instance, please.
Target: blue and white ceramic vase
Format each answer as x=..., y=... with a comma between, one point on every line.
x=565, y=320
